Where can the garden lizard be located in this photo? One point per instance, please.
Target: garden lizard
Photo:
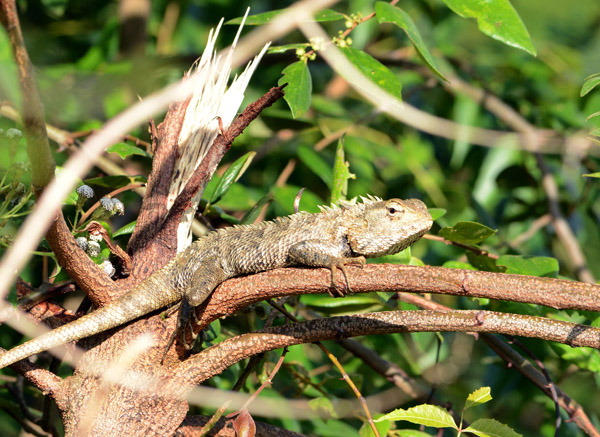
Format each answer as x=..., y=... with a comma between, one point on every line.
x=332, y=238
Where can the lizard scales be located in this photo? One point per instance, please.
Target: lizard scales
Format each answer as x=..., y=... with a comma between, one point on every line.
x=334, y=237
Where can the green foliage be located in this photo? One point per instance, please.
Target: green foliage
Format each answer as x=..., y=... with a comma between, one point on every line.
x=487, y=203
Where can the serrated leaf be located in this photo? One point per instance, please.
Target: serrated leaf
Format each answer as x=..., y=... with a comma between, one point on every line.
x=265, y=17
x=387, y=13
x=592, y=175
x=428, y=415
x=470, y=233
x=341, y=174
x=529, y=265
x=589, y=84
x=116, y=181
x=124, y=150
x=286, y=47
x=491, y=428
x=253, y=212
x=478, y=397
x=497, y=19
x=231, y=175
x=316, y=163
x=127, y=229
x=374, y=70
x=298, y=89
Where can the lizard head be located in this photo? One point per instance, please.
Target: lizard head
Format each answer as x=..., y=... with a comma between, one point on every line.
x=385, y=227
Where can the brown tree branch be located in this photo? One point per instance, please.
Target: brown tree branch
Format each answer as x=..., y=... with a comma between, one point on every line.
x=214, y=360
x=237, y=293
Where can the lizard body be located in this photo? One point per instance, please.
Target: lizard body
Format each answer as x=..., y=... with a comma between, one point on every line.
x=332, y=238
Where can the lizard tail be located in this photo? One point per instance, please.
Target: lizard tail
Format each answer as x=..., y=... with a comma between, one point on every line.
x=136, y=303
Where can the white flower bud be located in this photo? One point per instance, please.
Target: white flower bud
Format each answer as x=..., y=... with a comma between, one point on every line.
x=82, y=242
x=93, y=248
x=107, y=204
x=118, y=207
x=108, y=268
x=85, y=191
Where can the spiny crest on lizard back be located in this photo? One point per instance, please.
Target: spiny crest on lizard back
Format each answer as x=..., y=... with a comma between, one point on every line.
x=387, y=227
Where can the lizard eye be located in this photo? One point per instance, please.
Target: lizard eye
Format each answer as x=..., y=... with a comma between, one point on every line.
x=392, y=210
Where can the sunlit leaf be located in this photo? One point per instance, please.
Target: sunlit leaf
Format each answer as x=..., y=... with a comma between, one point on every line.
x=299, y=87
x=491, y=428
x=589, y=84
x=341, y=174
x=266, y=17
x=124, y=150
x=374, y=70
x=478, y=397
x=497, y=19
x=387, y=13
x=428, y=415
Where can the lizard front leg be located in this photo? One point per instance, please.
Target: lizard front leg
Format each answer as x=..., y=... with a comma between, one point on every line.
x=318, y=253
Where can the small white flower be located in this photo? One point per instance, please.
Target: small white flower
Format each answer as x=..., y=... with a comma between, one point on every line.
x=93, y=248
x=85, y=191
x=96, y=237
x=118, y=206
x=14, y=134
x=82, y=242
x=107, y=204
x=108, y=268
x=317, y=43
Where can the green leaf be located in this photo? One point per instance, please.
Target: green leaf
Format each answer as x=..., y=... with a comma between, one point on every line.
x=411, y=433
x=374, y=70
x=529, y=265
x=116, y=181
x=470, y=233
x=231, y=175
x=595, y=132
x=265, y=17
x=428, y=415
x=341, y=174
x=316, y=163
x=478, y=397
x=286, y=47
x=592, y=175
x=491, y=428
x=497, y=19
x=458, y=265
x=127, y=229
x=436, y=213
x=484, y=262
x=124, y=150
x=299, y=87
x=382, y=428
x=387, y=13
x=589, y=117
x=253, y=212
x=589, y=84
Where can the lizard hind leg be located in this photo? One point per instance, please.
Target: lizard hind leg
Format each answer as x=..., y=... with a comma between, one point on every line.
x=196, y=289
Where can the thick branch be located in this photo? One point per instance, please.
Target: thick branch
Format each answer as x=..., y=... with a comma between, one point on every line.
x=556, y=293
x=217, y=358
